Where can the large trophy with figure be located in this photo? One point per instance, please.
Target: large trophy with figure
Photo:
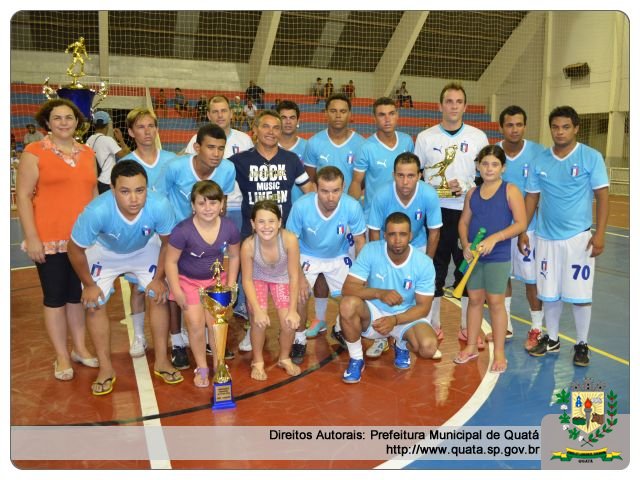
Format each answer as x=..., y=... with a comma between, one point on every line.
x=77, y=93
x=218, y=300
x=449, y=156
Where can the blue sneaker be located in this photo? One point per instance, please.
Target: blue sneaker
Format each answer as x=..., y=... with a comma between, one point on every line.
x=354, y=371
x=317, y=326
x=403, y=358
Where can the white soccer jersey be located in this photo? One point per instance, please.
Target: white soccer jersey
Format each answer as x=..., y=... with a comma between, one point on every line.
x=430, y=148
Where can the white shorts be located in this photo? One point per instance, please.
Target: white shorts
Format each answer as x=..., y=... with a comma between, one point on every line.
x=105, y=266
x=397, y=332
x=523, y=267
x=335, y=271
x=565, y=269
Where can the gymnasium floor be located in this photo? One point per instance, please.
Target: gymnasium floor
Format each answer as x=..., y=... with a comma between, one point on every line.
x=432, y=393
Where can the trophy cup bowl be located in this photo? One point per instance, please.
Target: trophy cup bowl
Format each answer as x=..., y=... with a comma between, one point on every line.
x=218, y=300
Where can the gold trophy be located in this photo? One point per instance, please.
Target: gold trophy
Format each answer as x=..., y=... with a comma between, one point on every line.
x=79, y=94
x=449, y=156
x=218, y=300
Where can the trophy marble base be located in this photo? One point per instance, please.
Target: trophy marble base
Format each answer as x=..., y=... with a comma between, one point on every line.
x=222, y=396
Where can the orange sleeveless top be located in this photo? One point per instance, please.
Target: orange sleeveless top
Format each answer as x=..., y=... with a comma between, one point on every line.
x=65, y=186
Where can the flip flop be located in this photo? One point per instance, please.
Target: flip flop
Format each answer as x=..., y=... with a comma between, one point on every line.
x=101, y=385
x=499, y=370
x=169, y=377
x=464, y=357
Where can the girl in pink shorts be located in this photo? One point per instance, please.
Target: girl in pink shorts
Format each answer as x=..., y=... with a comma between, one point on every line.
x=270, y=261
x=194, y=245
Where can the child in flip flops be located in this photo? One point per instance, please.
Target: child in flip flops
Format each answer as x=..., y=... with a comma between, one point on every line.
x=194, y=245
x=270, y=260
x=498, y=207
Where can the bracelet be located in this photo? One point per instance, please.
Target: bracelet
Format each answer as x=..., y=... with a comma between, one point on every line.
x=396, y=317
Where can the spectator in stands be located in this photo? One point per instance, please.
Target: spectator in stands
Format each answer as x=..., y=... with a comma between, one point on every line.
x=349, y=90
x=32, y=135
x=201, y=109
x=160, y=100
x=328, y=88
x=181, y=103
x=318, y=89
x=250, y=113
x=255, y=94
x=276, y=102
x=56, y=180
x=107, y=150
x=238, y=113
x=403, y=95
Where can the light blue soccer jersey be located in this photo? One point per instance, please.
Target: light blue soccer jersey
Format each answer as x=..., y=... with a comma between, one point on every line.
x=376, y=160
x=155, y=172
x=423, y=209
x=298, y=149
x=566, y=190
x=415, y=275
x=326, y=237
x=103, y=222
x=321, y=151
x=518, y=168
x=180, y=176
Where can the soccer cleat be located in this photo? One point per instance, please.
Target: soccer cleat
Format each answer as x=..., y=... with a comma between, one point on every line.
x=337, y=335
x=403, y=358
x=245, y=344
x=228, y=354
x=179, y=358
x=377, y=348
x=581, y=355
x=138, y=347
x=545, y=345
x=297, y=353
x=208, y=350
x=353, y=373
x=317, y=326
x=532, y=339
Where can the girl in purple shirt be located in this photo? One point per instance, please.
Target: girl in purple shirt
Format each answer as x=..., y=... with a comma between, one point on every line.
x=194, y=244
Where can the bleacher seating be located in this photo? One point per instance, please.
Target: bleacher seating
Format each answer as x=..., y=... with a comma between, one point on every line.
x=177, y=129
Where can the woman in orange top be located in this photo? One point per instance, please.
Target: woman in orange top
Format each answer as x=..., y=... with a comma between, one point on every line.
x=56, y=179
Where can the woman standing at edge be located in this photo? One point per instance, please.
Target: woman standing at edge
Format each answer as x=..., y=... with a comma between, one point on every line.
x=56, y=179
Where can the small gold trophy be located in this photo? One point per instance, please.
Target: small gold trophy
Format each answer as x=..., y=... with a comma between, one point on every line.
x=76, y=92
x=449, y=156
x=218, y=300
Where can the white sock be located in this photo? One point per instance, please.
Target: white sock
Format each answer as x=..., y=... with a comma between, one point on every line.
x=355, y=350
x=582, y=318
x=401, y=344
x=338, y=327
x=552, y=313
x=464, y=301
x=507, y=306
x=138, y=324
x=434, y=314
x=301, y=338
x=177, y=340
x=536, y=319
x=321, y=308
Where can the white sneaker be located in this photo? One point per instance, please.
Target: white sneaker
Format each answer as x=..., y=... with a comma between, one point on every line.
x=138, y=347
x=377, y=348
x=245, y=344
